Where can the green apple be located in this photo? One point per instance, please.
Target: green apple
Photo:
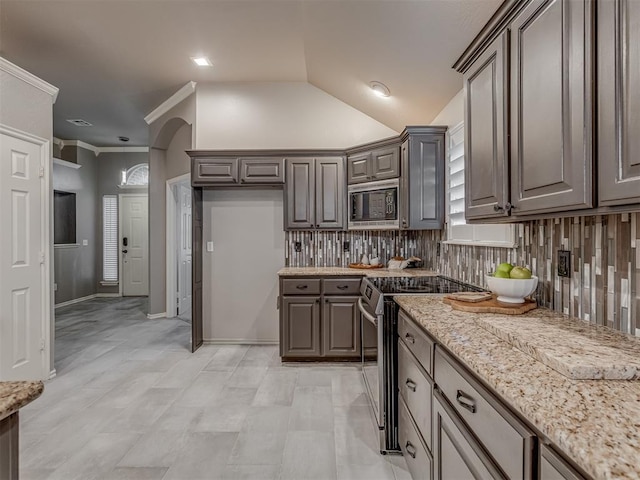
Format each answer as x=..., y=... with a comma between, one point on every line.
x=504, y=267
x=520, y=273
x=501, y=274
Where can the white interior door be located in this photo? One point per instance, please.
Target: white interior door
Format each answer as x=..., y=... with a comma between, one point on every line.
x=24, y=313
x=184, y=249
x=134, y=234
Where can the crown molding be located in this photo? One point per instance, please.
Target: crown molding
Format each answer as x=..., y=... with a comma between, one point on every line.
x=98, y=150
x=171, y=102
x=30, y=78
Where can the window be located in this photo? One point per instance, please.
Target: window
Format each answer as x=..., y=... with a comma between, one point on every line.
x=110, y=238
x=458, y=232
x=136, y=176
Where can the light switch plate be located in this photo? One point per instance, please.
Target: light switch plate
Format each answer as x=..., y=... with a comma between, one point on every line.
x=209, y=246
x=85, y=243
x=564, y=263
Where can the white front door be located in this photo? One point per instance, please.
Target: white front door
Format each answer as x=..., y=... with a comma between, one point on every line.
x=24, y=216
x=184, y=249
x=134, y=244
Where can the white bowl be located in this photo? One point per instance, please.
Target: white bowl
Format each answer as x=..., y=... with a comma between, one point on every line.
x=512, y=290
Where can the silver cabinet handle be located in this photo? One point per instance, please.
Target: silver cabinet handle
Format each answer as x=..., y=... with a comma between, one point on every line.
x=343, y=287
x=497, y=208
x=411, y=450
x=465, y=401
x=302, y=287
x=410, y=338
x=411, y=385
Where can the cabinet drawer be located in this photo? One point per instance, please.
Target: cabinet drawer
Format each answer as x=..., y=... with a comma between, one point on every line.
x=341, y=286
x=416, y=391
x=503, y=435
x=417, y=341
x=301, y=286
x=418, y=459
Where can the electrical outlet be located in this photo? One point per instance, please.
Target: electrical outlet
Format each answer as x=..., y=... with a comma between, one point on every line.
x=564, y=263
x=345, y=246
x=297, y=246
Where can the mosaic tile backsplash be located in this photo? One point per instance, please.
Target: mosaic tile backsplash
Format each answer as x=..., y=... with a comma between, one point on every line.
x=605, y=261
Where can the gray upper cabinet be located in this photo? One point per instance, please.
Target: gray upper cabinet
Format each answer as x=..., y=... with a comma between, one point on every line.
x=618, y=102
x=422, y=202
x=551, y=121
x=315, y=193
x=359, y=168
x=379, y=164
x=486, y=169
x=330, y=193
x=300, y=194
x=262, y=170
x=214, y=171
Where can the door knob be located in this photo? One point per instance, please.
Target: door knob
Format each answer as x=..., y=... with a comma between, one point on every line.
x=125, y=251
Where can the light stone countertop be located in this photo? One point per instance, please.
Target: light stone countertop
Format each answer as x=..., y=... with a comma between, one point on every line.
x=15, y=395
x=345, y=271
x=594, y=422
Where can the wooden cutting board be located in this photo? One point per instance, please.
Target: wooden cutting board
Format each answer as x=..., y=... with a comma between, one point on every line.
x=491, y=306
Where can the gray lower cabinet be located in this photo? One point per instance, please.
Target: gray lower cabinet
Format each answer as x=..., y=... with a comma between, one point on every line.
x=379, y=164
x=618, y=102
x=551, y=119
x=319, y=318
x=315, y=193
x=341, y=327
x=300, y=327
x=9, y=447
x=416, y=454
x=456, y=454
x=486, y=158
x=422, y=157
x=553, y=467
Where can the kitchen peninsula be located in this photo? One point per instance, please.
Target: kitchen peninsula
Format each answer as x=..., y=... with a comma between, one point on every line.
x=593, y=424
x=13, y=396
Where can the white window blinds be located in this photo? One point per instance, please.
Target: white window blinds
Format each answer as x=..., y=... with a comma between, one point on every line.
x=456, y=176
x=110, y=238
x=458, y=231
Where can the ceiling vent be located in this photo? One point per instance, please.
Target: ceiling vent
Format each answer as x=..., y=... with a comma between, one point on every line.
x=78, y=122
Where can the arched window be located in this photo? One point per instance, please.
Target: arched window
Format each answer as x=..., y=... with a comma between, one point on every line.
x=136, y=175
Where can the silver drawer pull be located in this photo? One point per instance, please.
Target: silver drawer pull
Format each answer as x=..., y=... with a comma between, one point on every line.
x=411, y=385
x=410, y=338
x=343, y=287
x=466, y=401
x=411, y=450
x=302, y=287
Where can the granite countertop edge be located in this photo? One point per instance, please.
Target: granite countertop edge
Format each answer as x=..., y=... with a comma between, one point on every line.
x=594, y=422
x=17, y=394
x=355, y=272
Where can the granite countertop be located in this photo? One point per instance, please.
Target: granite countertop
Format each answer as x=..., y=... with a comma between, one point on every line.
x=345, y=271
x=15, y=395
x=594, y=422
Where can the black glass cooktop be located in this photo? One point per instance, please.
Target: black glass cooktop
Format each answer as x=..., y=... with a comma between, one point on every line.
x=421, y=285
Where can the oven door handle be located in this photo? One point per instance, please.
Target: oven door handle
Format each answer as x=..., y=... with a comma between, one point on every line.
x=366, y=314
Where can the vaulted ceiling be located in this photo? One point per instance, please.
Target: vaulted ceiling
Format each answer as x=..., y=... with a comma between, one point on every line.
x=116, y=60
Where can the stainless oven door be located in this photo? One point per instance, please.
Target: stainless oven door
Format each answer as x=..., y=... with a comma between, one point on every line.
x=372, y=360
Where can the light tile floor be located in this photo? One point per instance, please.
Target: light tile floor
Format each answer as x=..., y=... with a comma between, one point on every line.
x=131, y=402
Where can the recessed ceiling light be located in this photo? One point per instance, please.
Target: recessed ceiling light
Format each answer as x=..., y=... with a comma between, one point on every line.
x=380, y=89
x=202, y=61
x=78, y=122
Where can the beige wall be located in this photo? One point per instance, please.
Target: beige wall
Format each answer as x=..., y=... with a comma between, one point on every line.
x=453, y=113
x=178, y=162
x=279, y=115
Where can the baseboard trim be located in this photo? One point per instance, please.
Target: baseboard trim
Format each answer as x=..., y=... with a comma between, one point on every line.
x=84, y=299
x=153, y=316
x=235, y=341
x=75, y=300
